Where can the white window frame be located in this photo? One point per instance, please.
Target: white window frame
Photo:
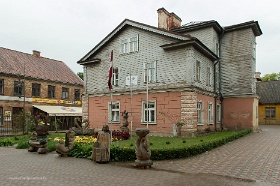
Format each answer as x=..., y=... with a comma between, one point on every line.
x=150, y=71
x=218, y=113
x=152, y=120
x=124, y=46
x=129, y=45
x=199, y=113
x=210, y=113
x=133, y=44
x=197, y=71
x=114, y=111
x=209, y=76
x=115, y=78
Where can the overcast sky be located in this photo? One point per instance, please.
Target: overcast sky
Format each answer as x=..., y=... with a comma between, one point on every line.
x=67, y=29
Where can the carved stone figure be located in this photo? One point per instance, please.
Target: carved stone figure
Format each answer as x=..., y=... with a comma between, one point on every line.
x=124, y=127
x=101, y=148
x=142, y=149
x=82, y=127
x=38, y=141
x=69, y=144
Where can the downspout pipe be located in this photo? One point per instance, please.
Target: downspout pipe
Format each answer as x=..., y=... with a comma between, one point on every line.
x=220, y=83
x=215, y=97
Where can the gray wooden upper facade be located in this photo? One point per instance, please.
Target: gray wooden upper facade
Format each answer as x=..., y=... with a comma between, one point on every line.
x=177, y=54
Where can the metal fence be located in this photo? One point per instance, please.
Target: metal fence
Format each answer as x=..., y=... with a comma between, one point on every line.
x=9, y=130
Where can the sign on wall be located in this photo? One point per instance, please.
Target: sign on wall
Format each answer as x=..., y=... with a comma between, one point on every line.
x=133, y=80
x=8, y=115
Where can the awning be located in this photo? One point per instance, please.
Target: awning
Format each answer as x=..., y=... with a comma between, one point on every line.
x=60, y=110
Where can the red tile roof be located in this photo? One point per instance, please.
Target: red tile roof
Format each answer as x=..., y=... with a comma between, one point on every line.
x=12, y=62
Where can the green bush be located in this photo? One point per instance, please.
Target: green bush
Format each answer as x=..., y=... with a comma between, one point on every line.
x=81, y=151
x=6, y=142
x=22, y=145
x=51, y=145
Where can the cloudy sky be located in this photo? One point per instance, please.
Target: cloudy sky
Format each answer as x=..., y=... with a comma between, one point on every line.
x=67, y=29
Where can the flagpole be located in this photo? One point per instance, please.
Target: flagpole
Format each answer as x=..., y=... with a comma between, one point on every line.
x=130, y=102
x=110, y=88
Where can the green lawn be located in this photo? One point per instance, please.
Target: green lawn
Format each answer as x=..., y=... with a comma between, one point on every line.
x=174, y=142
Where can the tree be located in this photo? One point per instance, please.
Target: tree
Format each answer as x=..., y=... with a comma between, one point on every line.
x=81, y=75
x=271, y=77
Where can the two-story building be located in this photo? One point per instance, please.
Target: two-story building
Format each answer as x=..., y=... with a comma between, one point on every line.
x=200, y=74
x=37, y=84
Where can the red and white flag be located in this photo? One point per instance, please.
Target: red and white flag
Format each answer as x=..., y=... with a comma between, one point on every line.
x=110, y=72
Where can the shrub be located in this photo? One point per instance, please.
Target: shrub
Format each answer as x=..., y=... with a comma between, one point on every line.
x=23, y=145
x=6, y=142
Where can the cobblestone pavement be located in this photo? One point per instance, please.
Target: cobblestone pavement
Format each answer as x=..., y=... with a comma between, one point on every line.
x=252, y=160
x=254, y=157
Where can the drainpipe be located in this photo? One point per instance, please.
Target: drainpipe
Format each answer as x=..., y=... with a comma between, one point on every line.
x=215, y=97
x=220, y=83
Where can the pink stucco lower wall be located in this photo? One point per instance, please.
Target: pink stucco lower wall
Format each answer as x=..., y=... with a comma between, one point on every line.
x=168, y=103
x=239, y=113
x=170, y=107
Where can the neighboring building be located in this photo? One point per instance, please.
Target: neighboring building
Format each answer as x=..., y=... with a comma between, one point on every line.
x=199, y=73
x=37, y=84
x=269, y=103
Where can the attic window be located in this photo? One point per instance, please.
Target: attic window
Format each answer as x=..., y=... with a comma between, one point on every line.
x=129, y=44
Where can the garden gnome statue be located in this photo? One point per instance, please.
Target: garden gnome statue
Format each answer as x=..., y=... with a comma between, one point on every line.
x=101, y=148
x=69, y=144
x=38, y=141
x=142, y=149
x=124, y=127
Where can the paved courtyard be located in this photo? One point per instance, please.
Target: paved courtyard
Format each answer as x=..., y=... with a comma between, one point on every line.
x=251, y=160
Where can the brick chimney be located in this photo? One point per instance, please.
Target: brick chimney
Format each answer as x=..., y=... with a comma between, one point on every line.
x=168, y=20
x=36, y=53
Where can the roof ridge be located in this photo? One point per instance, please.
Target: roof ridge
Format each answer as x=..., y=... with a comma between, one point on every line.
x=31, y=54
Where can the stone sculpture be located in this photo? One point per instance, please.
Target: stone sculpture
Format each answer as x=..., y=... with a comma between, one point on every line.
x=124, y=127
x=38, y=141
x=142, y=149
x=101, y=148
x=63, y=148
x=82, y=127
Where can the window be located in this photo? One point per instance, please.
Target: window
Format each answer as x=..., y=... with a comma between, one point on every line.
x=129, y=45
x=270, y=112
x=150, y=71
x=217, y=49
x=218, y=113
x=208, y=76
x=1, y=116
x=36, y=90
x=1, y=86
x=114, y=112
x=149, y=113
x=77, y=94
x=18, y=87
x=51, y=91
x=198, y=69
x=210, y=113
x=115, y=76
x=133, y=44
x=124, y=46
x=199, y=112
x=65, y=93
